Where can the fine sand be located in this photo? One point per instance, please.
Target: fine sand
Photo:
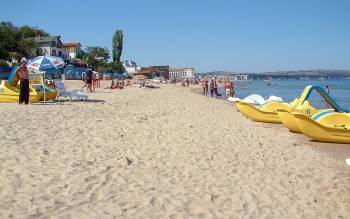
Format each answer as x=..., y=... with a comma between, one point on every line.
x=162, y=153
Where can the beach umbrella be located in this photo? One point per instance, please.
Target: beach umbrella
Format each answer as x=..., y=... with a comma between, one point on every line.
x=45, y=63
x=41, y=64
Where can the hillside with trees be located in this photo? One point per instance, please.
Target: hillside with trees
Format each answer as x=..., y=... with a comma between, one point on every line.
x=15, y=42
x=18, y=41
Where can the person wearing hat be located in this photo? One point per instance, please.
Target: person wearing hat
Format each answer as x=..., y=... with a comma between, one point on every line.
x=24, y=82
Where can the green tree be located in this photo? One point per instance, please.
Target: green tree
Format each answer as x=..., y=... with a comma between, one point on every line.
x=26, y=43
x=8, y=39
x=82, y=55
x=27, y=47
x=96, y=56
x=14, y=55
x=27, y=32
x=98, y=53
x=117, y=45
x=18, y=40
x=115, y=67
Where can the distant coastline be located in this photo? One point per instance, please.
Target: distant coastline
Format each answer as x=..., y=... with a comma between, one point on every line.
x=298, y=74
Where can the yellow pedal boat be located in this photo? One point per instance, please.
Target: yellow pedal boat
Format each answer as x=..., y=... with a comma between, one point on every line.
x=10, y=94
x=325, y=126
x=303, y=106
x=264, y=113
x=50, y=94
x=287, y=118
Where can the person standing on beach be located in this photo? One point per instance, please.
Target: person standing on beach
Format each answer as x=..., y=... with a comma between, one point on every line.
x=24, y=82
x=212, y=87
x=208, y=85
x=205, y=87
x=215, y=87
x=96, y=80
x=88, y=79
x=228, y=88
x=232, y=93
x=327, y=89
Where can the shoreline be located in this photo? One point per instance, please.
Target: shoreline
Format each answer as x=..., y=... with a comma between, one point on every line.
x=338, y=151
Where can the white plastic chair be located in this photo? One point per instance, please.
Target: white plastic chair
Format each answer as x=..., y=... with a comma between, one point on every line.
x=80, y=95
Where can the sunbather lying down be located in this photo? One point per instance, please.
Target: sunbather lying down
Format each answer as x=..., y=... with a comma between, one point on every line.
x=116, y=85
x=151, y=86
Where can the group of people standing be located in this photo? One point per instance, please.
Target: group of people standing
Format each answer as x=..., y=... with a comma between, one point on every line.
x=210, y=88
x=92, y=80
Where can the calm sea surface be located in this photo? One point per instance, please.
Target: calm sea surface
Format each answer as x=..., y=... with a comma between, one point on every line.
x=290, y=89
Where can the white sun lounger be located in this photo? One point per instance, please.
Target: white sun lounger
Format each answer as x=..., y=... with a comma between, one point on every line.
x=61, y=92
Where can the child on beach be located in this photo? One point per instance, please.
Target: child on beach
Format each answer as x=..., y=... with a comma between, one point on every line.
x=95, y=80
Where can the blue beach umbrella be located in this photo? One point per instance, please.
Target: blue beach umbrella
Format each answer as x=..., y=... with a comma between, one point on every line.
x=45, y=63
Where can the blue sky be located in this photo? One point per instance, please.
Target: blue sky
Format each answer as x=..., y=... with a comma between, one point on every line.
x=245, y=36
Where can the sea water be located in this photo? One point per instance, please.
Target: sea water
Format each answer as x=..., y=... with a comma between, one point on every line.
x=291, y=89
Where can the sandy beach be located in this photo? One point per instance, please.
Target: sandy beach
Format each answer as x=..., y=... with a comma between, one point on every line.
x=162, y=153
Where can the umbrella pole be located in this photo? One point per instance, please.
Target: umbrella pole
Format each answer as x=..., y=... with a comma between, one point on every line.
x=44, y=87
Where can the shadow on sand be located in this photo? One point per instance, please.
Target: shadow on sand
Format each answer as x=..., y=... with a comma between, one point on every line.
x=65, y=101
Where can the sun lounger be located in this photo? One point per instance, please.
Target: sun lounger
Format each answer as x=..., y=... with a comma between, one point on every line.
x=150, y=85
x=75, y=94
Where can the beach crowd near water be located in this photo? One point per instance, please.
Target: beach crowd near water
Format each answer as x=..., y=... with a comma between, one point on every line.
x=210, y=88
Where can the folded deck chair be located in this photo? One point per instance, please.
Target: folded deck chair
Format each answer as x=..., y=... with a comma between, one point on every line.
x=61, y=92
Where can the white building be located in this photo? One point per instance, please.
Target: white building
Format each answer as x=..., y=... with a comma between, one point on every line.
x=181, y=73
x=50, y=46
x=71, y=50
x=130, y=67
